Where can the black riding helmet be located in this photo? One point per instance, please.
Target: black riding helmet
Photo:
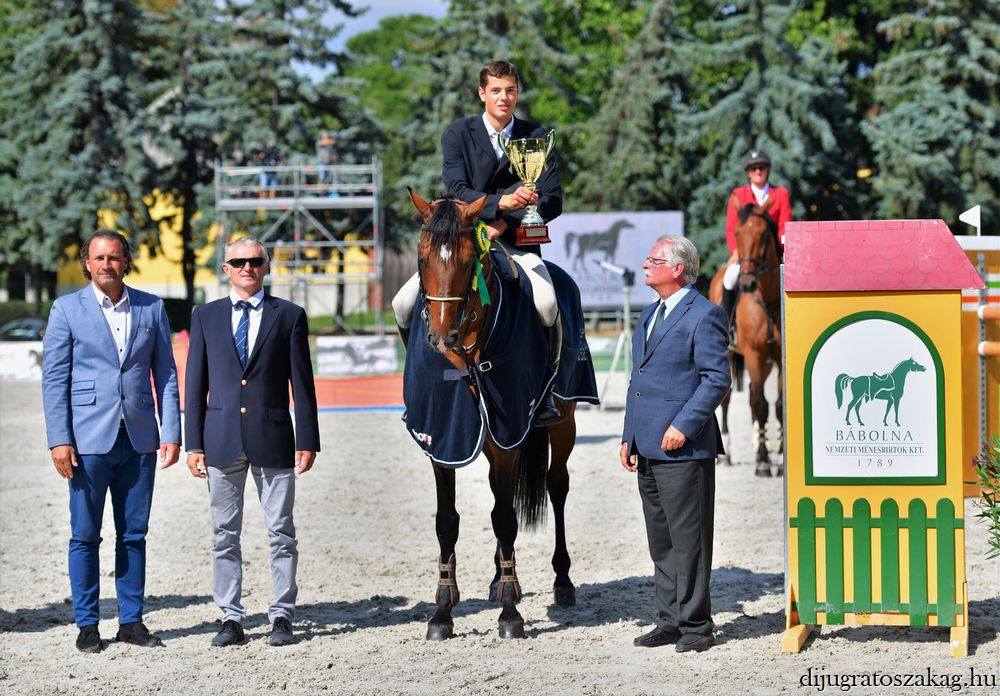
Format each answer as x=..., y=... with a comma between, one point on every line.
x=755, y=156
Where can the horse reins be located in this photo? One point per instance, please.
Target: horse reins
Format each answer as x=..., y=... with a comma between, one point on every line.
x=761, y=267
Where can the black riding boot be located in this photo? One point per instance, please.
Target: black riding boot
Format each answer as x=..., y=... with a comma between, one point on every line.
x=548, y=412
x=728, y=305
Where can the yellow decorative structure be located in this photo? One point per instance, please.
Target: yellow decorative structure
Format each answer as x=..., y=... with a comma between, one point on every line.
x=874, y=530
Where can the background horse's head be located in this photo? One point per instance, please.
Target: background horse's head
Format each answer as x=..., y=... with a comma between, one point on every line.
x=756, y=237
x=446, y=256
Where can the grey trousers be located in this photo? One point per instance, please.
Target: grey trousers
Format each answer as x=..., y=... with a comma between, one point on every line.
x=276, y=491
x=678, y=502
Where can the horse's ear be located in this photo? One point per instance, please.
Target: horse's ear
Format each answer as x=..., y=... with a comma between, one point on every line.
x=470, y=212
x=422, y=206
x=767, y=205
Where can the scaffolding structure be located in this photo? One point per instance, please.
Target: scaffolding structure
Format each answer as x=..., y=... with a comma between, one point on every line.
x=278, y=205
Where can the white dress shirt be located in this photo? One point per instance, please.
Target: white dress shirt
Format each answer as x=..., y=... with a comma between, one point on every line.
x=665, y=306
x=760, y=193
x=118, y=317
x=493, y=133
x=256, y=310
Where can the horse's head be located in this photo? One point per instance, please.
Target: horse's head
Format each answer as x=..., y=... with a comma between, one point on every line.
x=755, y=238
x=913, y=366
x=446, y=258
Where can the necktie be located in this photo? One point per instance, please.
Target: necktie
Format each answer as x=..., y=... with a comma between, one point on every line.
x=657, y=318
x=242, y=335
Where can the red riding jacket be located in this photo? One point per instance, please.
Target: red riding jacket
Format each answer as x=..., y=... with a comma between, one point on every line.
x=780, y=210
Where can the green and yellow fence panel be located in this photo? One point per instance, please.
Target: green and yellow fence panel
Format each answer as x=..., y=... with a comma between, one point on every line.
x=872, y=330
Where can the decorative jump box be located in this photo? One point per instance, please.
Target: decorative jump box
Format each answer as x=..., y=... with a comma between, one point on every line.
x=873, y=479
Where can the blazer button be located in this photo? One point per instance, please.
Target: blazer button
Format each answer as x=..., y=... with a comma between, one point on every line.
x=243, y=409
x=641, y=371
x=243, y=382
x=637, y=395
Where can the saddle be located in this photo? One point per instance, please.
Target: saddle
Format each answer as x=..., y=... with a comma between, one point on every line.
x=877, y=383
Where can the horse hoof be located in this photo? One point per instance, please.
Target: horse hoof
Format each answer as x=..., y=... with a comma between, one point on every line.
x=439, y=631
x=565, y=596
x=763, y=471
x=511, y=628
x=780, y=471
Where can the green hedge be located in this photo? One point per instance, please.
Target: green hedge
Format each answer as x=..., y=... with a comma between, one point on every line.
x=15, y=309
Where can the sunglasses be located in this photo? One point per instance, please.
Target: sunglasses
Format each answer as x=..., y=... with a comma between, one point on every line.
x=255, y=262
x=757, y=167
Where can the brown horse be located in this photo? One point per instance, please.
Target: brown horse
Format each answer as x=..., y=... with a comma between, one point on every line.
x=455, y=320
x=758, y=324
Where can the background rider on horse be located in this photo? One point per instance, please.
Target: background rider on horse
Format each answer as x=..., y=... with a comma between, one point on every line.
x=757, y=191
x=474, y=166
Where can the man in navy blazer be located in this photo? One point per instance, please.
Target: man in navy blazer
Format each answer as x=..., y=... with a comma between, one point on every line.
x=474, y=166
x=245, y=349
x=101, y=346
x=679, y=377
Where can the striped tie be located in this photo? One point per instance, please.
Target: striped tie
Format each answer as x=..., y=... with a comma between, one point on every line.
x=242, y=334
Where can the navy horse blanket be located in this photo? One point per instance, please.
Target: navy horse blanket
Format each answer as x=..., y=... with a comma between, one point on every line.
x=447, y=420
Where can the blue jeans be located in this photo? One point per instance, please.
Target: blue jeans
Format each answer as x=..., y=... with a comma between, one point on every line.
x=129, y=475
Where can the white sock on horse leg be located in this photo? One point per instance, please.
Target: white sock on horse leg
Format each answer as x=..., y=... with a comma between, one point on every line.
x=405, y=300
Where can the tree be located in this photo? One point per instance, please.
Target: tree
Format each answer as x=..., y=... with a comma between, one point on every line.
x=631, y=153
x=756, y=89
x=69, y=103
x=936, y=136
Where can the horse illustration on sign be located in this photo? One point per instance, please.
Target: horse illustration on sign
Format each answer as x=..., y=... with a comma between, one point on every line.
x=603, y=243
x=888, y=387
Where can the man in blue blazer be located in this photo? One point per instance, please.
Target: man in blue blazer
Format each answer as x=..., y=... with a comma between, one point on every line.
x=101, y=346
x=679, y=377
x=244, y=351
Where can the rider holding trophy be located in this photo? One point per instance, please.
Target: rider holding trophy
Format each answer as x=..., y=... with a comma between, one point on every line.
x=512, y=162
x=757, y=191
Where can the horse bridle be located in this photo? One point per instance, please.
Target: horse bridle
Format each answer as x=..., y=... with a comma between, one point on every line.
x=760, y=262
x=463, y=319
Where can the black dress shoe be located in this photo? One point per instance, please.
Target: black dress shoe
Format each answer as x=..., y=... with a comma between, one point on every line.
x=548, y=413
x=89, y=640
x=281, y=632
x=657, y=637
x=136, y=633
x=231, y=634
x=694, y=642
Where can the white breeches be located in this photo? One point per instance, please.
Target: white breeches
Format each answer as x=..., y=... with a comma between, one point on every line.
x=530, y=264
x=731, y=276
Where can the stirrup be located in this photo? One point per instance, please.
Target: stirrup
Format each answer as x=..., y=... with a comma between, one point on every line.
x=508, y=576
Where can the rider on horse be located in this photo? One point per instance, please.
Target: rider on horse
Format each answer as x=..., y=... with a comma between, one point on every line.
x=474, y=166
x=757, y=191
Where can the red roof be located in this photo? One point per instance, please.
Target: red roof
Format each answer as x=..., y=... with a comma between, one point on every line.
x=881, y=255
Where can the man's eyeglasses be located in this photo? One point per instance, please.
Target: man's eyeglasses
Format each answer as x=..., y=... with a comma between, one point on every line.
x=254, y=261
x=657, y=262
x=757, y=167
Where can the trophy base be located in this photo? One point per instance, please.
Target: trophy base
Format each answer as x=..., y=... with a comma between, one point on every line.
x=531, y=234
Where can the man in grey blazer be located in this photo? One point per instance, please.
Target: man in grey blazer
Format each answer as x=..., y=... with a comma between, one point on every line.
x=679, y=377
x=101, y=346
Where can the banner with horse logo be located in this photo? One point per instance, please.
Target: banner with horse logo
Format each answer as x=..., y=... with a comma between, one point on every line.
x=873, y=407
x=580, y=241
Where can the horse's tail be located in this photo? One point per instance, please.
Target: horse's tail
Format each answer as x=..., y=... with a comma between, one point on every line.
x=569, y=241
x=736, y=360
x=843, y=380
x=530, y=493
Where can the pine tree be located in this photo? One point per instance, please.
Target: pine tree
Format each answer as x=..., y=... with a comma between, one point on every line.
x=193, y=116
x=70, y=105
x=630, y=160
x=756, y=89
x=937, y=136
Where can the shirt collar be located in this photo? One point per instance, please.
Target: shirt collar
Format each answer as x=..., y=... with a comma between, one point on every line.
x=672, y=301
x=254, y=299
x=765, y=189
x=102, y=298
x=492, y=132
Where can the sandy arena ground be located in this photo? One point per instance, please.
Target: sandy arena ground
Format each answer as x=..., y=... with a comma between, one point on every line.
x=367, y=575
